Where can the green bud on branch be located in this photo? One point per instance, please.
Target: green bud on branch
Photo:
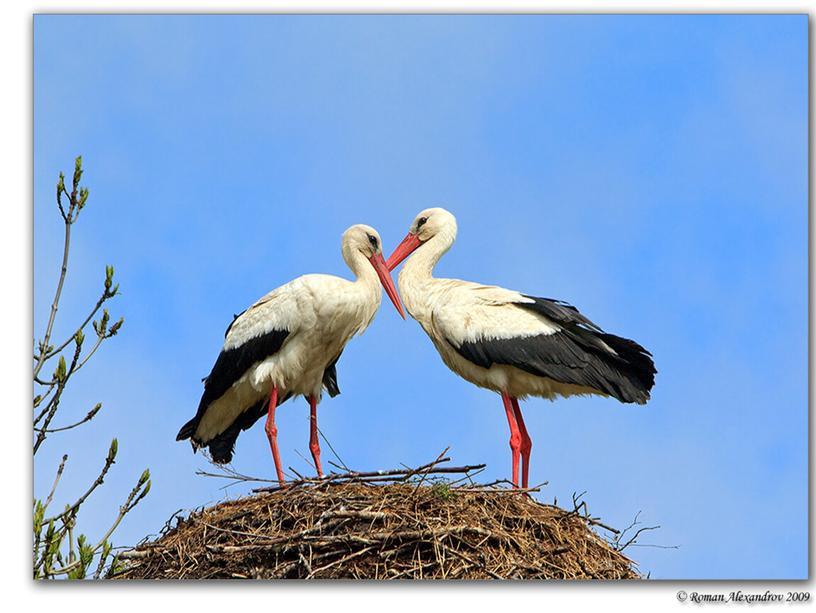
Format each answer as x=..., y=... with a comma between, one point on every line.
x=77, y=171
x=83, y=197
x=101, y=326
x=39, y=512
x=93, y=411
x=145, y=476
x=114, y=449
x=106, y=549
x=115, y=327
x=59, y=373
x=60, y=189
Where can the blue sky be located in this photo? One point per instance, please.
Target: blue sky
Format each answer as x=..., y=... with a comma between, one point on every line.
x=651, y=170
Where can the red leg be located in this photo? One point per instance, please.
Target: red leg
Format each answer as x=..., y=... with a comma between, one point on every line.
x=272, y=431
x=314, y=442
x=515, y=436
x=526, y=443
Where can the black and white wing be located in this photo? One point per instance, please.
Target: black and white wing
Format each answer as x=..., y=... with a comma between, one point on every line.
x=489, y=325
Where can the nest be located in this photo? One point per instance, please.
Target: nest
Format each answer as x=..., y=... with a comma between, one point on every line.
x=356, y=529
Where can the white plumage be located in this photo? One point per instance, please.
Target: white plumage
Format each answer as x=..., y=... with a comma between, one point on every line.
x=287, y=344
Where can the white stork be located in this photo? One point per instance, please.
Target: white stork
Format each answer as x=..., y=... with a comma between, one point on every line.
x=512, y=343
x=288, y=344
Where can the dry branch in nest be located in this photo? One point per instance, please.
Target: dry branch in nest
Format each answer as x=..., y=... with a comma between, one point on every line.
x=401, y=524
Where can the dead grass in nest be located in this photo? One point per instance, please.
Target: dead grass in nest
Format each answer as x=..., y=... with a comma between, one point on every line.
x=358, y=530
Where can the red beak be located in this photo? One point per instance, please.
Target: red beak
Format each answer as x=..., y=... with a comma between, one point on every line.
x=403, y=250
x=378, y=263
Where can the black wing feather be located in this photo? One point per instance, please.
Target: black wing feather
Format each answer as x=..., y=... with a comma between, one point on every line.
x=576, y=355
x=330, y=377
x=222, y=446
x=231, y=366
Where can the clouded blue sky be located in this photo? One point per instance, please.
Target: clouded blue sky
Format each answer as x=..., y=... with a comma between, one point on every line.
x=651, y=170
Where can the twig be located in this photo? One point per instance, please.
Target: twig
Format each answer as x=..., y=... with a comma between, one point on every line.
x=371, y=476
x=635, y=522
x=424, y=470
x=99, y=480
x=54, y=305
x=91, y=414
x=104, y=298
x=56, y=481
x=637, y=534
x=336, y=455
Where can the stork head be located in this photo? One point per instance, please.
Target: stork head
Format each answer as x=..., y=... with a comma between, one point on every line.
x=365, y=240
x=426, y=225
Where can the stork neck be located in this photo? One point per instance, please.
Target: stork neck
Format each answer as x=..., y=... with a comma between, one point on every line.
x=422, y=261
x=362, y=269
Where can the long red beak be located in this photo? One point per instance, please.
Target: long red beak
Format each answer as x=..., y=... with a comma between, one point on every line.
x=379, y=265
x=403, y=250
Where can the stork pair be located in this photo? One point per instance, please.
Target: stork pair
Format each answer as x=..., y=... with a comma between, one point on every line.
x=289, y=341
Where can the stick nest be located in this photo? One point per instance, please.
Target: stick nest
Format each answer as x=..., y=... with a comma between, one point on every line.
x=360, y=530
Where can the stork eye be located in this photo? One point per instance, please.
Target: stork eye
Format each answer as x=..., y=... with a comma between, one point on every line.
x=372, y=240
x=421, y=221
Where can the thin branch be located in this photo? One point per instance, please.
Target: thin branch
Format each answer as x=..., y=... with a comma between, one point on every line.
x=58, y=293
x=87, y=357
x=109, y=460
x=104, y=298
x=45, y=409
x=367, y=477
x=52, y=406
x=637, y=534
x=424, y=470
x=91, y=414
x=468, y=477
x=56, y=481
x=631, y=541
x=336, y=455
